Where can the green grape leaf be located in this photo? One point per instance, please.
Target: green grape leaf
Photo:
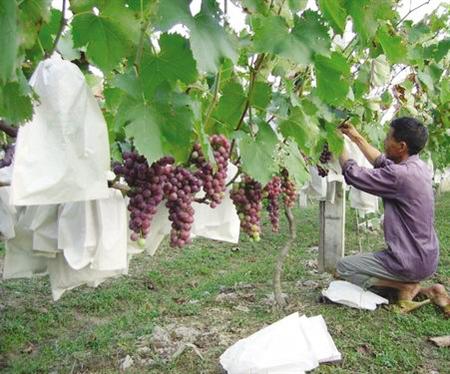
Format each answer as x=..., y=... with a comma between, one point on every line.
x=15, y=104
x=393, y=45
x=445, y=91
x=295, y=164
x=32, y=14
x=48, y=32
x=173, y=12
x=334, y=139
x=333, y=76
x=66, y=48
x=261, y=95
x=9, y=40
x=335, y=14
x=255, y=6
x=210, y=43
x=174, y=62
x=144, y=130
x=302, y=128
x=107, y=42
x=160, y=128
x=362, y=82
x=438, y=50
x=366, y=15
x=297, y=5
x=257, y=154
x=380, y=71
x=272, y=36
x=310, y=30
x=230, y=108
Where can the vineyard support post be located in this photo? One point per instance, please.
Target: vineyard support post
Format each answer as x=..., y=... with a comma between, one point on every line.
x=332, y=227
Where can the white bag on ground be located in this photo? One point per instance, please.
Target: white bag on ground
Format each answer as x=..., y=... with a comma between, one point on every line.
x=62, y=155
x=292, y=345
x=346, y=293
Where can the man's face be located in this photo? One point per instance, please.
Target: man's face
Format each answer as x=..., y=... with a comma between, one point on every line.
x=393, y=149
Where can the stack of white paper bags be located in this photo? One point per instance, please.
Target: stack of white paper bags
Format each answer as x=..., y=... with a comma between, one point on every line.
x=292, y=345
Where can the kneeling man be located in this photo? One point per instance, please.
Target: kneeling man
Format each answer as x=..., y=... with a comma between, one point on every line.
x=404, y=182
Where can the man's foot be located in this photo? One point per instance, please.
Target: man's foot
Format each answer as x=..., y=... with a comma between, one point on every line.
x=408, y=291
x=406, y=306
x=438, y=296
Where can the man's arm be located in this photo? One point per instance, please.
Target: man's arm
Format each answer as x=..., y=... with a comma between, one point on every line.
x=369, y=151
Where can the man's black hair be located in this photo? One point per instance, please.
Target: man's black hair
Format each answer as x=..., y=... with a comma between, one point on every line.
x=410, y=131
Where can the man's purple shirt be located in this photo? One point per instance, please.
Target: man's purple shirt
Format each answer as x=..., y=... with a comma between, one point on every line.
x=406, y=188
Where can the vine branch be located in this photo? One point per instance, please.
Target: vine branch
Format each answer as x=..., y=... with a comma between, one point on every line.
x=62, y=23
x=8, y=129
x=278, y=294
x=411, y=11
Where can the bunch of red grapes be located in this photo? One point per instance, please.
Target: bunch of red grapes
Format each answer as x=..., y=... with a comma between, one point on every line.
x=247, y=196
x=214, y=182
x=288, y=189
x=324, y=158
x=8, y=156
x=272, y=191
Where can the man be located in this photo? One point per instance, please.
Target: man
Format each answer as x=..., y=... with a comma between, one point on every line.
x=404, y=182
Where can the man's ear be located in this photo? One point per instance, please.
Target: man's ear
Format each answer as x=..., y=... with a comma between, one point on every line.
x=403, y=147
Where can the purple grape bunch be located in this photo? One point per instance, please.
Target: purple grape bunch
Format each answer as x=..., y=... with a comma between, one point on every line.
x=214, y=182
x=324, y=158
x=8, y=157
x=146, y=189
x=247, y=196
x=180, y=189
x=288, y=190
x=272, y=191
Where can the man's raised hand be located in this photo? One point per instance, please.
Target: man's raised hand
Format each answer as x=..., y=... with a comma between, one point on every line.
x=349, y=130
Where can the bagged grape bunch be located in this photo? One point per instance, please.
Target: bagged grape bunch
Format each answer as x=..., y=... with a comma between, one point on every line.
x=62, y=154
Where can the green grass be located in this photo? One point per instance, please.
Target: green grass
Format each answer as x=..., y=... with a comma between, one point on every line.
x=90, y=330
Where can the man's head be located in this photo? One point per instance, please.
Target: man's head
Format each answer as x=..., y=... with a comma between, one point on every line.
x=406, y=137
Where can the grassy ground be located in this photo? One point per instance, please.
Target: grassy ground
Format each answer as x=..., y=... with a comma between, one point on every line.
x=92, y=330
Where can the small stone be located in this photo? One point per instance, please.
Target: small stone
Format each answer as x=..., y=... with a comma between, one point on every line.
x=226, y=297
x=126, y=363
x=187, y=334
x=310, y=283
x=194, y=301
x=143, y=351
x=242, y=308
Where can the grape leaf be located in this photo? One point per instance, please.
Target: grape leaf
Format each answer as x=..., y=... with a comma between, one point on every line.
x=302, y=128
x=366, y=15
x=295, y=164
x=333, y=75
x=438, y=50
x=334, y=139
x=174, y=62
x=107, y=43
x=334, y=12
x=445, y=91
x=392, y=45
x=163, y=127
x=9, y=40
x=32, y=14
x=272, y=36
x=210, y=43
x=144, y=130
x=380, y=71
x=257, y=154
x=310, y=30
x=297, y=5
x=261, y=95
x=255, y=6
x=66, y=48
x=15, y=104
x=230, y=108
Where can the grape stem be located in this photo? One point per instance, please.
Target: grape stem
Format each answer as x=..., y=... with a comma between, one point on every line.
x=234, y=178
x=253, y=73
x=60, y=31
x=8, y=129
x=278, y=294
